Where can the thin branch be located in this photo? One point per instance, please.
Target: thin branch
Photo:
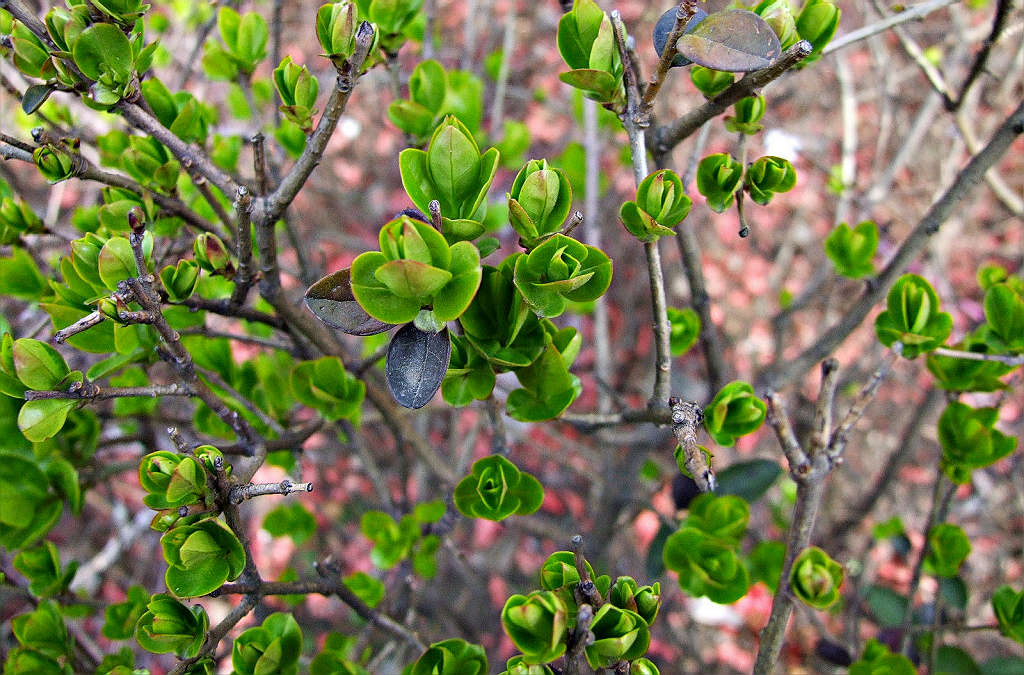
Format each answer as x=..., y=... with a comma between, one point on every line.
x=670, y=135
x=83, y=324
x=508, y=37
x=823, y=408
x=778, y=420
x=684, y=12
x=192, y=158
x=240, y=493
x=1003, y=8
x=243, y=247
x=912, y=13
x=586, y=592
x=779, y=375
x=575, y=655
x=1005, y=359
x=942, y=493
x=221, y=307
x=270, y=208
x=659, y=416
x=893, y=464
x=87, y=391
x=687, y=417
x=837, y=443
x=659, y=304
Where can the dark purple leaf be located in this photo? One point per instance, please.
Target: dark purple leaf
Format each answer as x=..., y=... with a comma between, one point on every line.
x=416, y=364
x=665, y=25
x=733, y=40
x=331, y=300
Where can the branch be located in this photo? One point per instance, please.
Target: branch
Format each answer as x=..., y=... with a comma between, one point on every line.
x=913, y=13
x=670, y=135
x=269, y=209
x=778, y=375
x=575, y=656
x=243, y=247
x=837, y=443
x=240, y=493
x=192, y=158
x=778, y=420
x=634, y=126
x=687, y=417
x=87, y=391
x=332, y=584
x=684, y=12
x=659, y=416
x=1005, y=359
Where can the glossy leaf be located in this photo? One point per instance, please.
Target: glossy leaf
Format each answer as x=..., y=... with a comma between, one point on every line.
x=685, y=329
x=497, y=489
x=666, y=22
x=719, y=176
x=170, y=626
x=733, y=40
x=970, y=441
x=706, y=565
x=451, y=657
x=272, y=647
x=948, y=548
x=913, y=317
x=734, y=412
x=1008, y=606
x=537, y=625
x=416, y=365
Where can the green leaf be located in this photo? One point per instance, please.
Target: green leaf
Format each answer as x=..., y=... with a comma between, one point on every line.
x=852, y=250
x=38, y=365
x=748, y=480
x=732, y=40
x=497, y=489
x=1004, y=313
x=816, y=578
x=734, y=412
x=451, y=657
x=718, y=178
x=19, y=276
x=116, y=262
x=1008, y=607
x=292, y=520
x=913, y=317
x=103, y=49
x=537, y=625
x=369, y=589
x=44, y=418
x=948, y=547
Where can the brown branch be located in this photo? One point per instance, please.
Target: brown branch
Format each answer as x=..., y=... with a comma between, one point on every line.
x=87, y=391
x=687, y=417
x=218, y=633
x=778, y=375
x=670, y=135
x=241, y=493
x=243, y=247
x=270, y=208
x=684, y=12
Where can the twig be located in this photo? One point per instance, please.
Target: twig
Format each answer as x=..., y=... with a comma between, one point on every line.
x=670, y=135
x=905, y=447
x=837, y=443
x=243, y=247
x=508, y=36
x=585, y=591
x=684, y=12
x=778, y=375
x=778, y=420
x=267, y=210
x=659, y=305
x=1003, y=8
x=822, y=429
x=1006, y=359
x=942, y=492
x=575, y=656
x=687, y=417
x=240, y=493
x=660, y=416
x=83, y=324
x=499, y=440
x=912, y=13
x=592, y=236
x=87, y=391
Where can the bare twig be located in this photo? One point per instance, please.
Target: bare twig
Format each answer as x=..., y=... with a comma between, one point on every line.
x=778, y=419
x=912, y=13
x=684, y=12
x=87, y=391
x=1006, y=359
x=655, y=273
x=240, y=493
x=243, y=247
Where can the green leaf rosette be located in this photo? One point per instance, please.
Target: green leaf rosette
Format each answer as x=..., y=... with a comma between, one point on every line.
x=273, y=647
x=1008, y=606
x=913, y=318
x=706, y=565
x=734, y=412
x=414, y=269
x=201, y=557
x=661, y=203
x=559, y=270
x=768, y=176
x=719, y=176
x=538, y=202
x=169, y=626
x=619, y=635
x=816, y=578
x=451, y=657
x=644, y=600
x=851, y=250
x=452, y=171
x=497, y=489
x=537, y=625
x=970, y=441
x=948, y=548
